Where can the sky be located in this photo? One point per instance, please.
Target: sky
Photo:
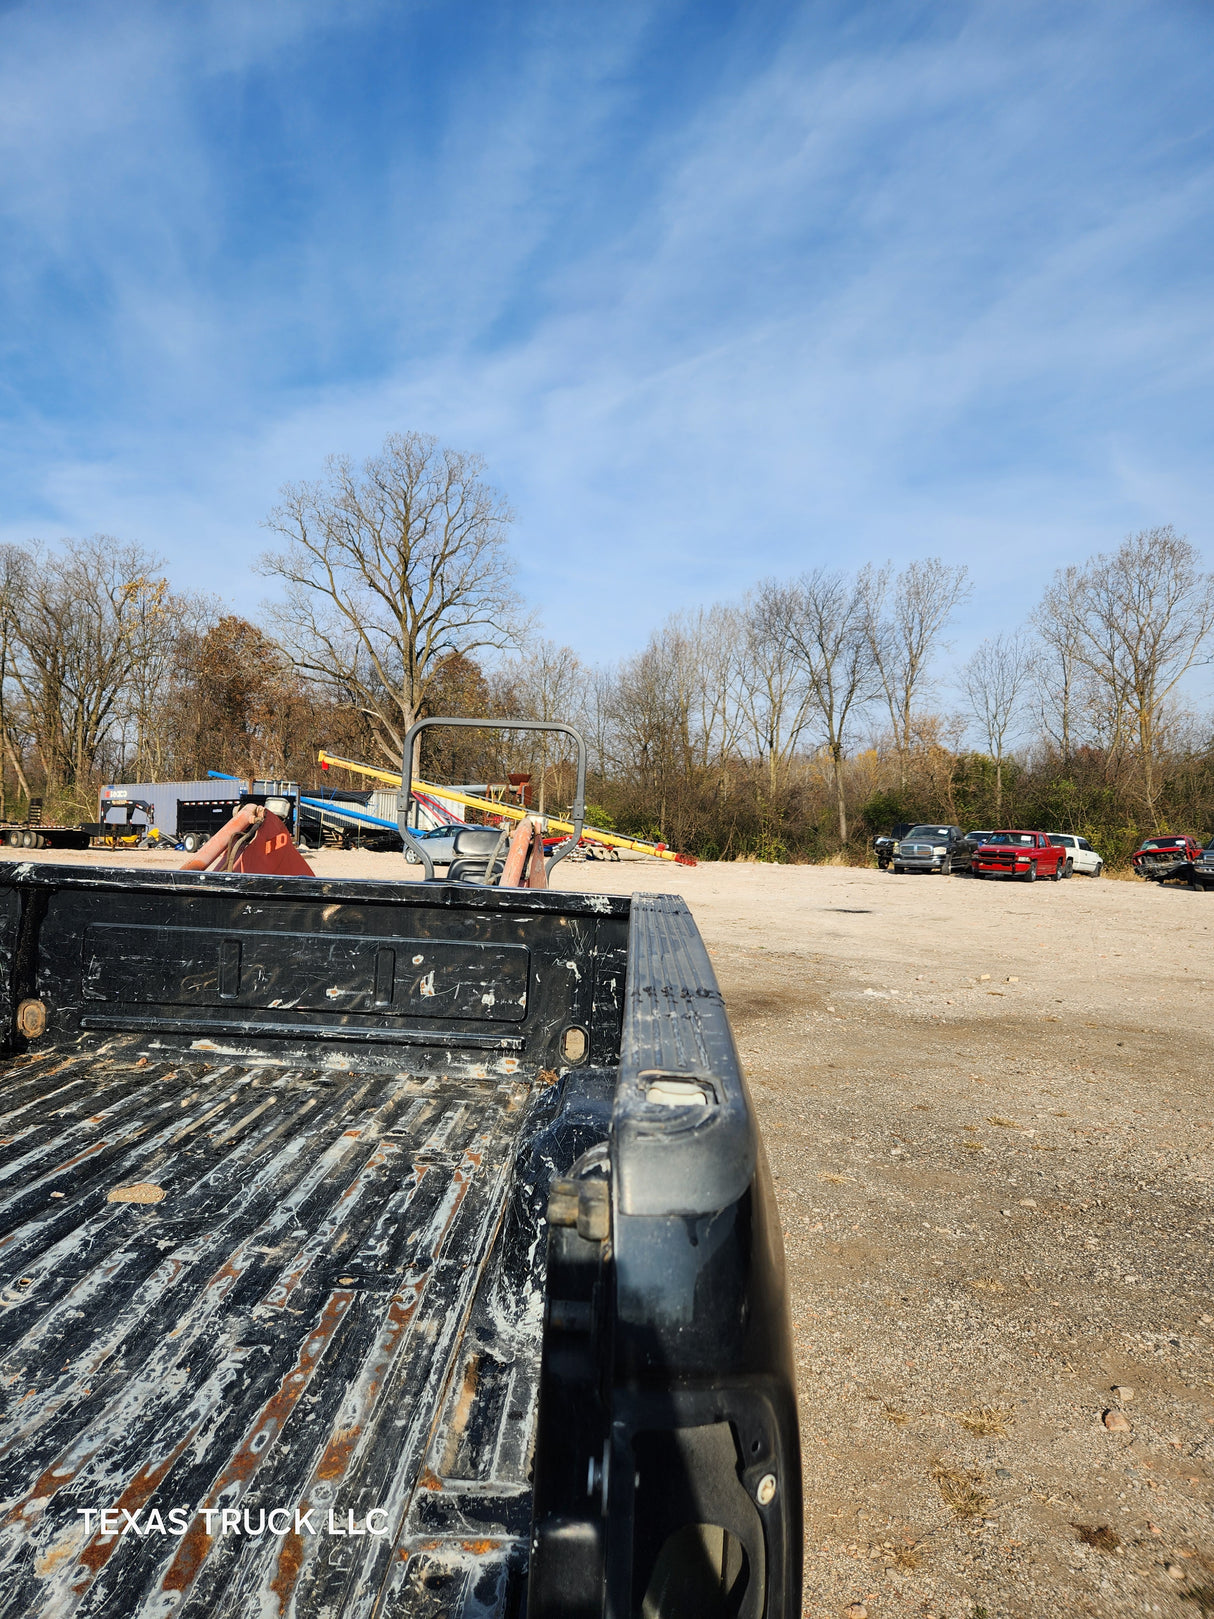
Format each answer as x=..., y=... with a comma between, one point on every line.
x=718, y=291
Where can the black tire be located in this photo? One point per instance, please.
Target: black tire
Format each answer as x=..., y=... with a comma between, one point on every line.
x=411, y=858
x=190, y=843
x=946, y=867
x=27, y=840
x=1099, y=872
x=1030, y=875
x=39, y=841
x=1070, y=869
x=1059, y=872
x=13, y=839
x=897, y=871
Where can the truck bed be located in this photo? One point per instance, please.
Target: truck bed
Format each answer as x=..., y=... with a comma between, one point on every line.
x=381, y=1249
x=289, y=1329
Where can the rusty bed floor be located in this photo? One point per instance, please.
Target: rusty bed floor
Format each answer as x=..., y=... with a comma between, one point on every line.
x=315, y=1318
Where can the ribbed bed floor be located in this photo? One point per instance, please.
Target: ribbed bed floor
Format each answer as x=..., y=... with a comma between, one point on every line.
x=295, y=1327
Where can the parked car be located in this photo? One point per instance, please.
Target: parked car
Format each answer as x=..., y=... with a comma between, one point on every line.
x=883, y=845
x=1155, y=858
x=1080, y=856
x=932, y=848
x=1199, y=873
x=440, y=842
x=1015, y=853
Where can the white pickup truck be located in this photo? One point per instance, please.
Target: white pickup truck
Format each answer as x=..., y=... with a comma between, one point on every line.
x=1080, y=856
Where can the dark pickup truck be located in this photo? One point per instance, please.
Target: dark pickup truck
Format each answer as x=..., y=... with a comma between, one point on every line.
x=382, y=1248
x=925, y=847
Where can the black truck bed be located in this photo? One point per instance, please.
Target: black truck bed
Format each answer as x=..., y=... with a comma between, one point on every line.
x=283, y=1331
x=303, y=1359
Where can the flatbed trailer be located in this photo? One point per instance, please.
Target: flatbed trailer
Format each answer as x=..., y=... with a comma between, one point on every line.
x=37, y=835
x=371, y=1248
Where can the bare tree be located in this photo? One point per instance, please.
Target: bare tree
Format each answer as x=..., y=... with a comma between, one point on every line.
x=169, y=626
x=389, y=569
x=994, y=681
x=774, y=696
x=81, y=625
x=1064, y=684
x=547, y=682
x=14, y=581
x=1146, y=614
x=904, y=619
x=825, y=626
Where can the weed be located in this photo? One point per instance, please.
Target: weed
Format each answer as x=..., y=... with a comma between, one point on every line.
x=960, y=1491
x=986, y=1421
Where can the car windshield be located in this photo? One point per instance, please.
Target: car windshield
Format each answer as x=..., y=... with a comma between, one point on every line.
x=1164, y=843
x=928, y=832
x=1012, y=837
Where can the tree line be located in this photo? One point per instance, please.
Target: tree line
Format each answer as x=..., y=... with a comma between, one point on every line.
x=790, y=724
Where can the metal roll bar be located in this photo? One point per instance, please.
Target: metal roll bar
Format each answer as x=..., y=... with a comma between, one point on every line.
x=577, y=815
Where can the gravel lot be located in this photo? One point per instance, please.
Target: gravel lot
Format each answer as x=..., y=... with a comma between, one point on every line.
x=988, y=1110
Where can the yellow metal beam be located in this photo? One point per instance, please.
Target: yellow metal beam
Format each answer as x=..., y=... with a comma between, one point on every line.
x=549, y=823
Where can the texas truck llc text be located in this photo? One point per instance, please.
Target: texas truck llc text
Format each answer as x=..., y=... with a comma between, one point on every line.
x=232, y=1521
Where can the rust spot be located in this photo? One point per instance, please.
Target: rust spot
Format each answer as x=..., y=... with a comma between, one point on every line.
x=480, y=1548
x=337, y=1453
x=49, y=1563
x=81, y=1156
x=272, y=1416
x=463, y=1410
x=136, y=1495
x=194, y=1548
x=426, y=1480
x=290, y=1561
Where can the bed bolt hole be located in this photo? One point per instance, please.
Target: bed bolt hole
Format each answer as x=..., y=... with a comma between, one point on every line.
x=31, y=1019
x=573, y=1044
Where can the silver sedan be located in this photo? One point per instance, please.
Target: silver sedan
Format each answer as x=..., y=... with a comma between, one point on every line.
x=439, y=844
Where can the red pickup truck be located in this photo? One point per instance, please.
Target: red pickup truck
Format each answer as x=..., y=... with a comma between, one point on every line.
x=1157, y=857
x=1018, y=854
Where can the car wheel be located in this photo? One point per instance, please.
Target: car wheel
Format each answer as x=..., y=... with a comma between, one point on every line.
x=1099, y=869
x=897, y=871
x=190, y=842
x=1030, y=875
x=1059, y=872
x=411, y=858
x=1070, y=869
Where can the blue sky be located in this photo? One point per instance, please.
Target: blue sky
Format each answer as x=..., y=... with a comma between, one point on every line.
x=718, y=290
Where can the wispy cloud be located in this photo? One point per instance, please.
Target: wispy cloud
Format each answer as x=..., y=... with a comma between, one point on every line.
x=718, y=292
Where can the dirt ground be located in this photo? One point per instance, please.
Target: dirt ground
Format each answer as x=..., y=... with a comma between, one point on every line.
x=988, y=1109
